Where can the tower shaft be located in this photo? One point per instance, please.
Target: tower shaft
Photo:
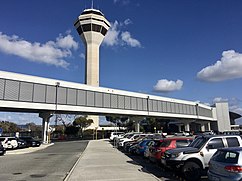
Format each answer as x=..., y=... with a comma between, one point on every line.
x=92, y=65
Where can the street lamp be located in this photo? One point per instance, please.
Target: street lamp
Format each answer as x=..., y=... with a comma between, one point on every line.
x=57, y=84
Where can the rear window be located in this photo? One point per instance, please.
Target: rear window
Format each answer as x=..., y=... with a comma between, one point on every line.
x=232, y=142
x=226, y=156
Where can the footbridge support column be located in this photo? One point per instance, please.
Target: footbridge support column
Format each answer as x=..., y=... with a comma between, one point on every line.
x=137, y=126
x=45, y=126
x=186, y=124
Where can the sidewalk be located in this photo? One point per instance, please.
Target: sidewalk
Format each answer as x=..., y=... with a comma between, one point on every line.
x=101, y=162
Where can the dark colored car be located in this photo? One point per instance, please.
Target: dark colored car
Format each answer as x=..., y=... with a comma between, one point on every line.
x=159, y=148
x=21, y=143
x=226, y=164
x=2, y=149
x=142, y=146
x=31, y=142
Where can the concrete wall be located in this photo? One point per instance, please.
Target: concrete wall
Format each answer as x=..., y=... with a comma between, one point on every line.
x=222, y=112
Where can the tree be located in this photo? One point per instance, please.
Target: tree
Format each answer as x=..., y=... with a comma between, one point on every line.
x=120, y=121
x=71, y=130
x=9, y=127
x=33, y=127
x=82, y=122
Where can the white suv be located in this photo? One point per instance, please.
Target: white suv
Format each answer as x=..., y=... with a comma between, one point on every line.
x=193, y=159
x=115, y=135
x=9, y=142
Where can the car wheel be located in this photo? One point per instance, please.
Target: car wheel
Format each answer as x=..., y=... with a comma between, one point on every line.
x=191, y=171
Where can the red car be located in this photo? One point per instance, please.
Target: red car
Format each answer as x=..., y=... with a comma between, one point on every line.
x=158, y=149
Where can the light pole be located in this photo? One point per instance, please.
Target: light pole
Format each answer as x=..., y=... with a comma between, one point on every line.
x=57, y=84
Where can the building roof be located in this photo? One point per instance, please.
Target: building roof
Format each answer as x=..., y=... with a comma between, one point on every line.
x=92, y=11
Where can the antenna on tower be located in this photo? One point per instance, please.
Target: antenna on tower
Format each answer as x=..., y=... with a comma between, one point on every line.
x=92, y=4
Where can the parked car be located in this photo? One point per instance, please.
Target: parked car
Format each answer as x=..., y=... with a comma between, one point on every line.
x=31, y=142
x=153, y=144
x=128, y=144
x=142, y=146
x=147, y=149
x=130, y=137
x=226, y=165
x=115, y=134
x=9, y=142
x=194, y=159
x=21, y=143
x=182, y=133
x=158, y=150
x=2, y=149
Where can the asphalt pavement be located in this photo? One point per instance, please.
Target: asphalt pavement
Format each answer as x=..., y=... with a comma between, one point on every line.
x=102, y=162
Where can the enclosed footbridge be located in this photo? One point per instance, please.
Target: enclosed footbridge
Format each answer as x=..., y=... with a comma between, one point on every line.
x=24, y=93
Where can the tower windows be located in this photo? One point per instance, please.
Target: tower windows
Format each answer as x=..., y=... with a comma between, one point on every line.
x=91, y=27
x=104, y=31
x=79, y=30
x=96, y=28
x=86, y=27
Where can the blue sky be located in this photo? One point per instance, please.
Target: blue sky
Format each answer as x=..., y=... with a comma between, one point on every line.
x=185, y=49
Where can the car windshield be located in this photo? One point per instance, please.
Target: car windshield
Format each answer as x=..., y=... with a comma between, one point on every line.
x=198, y=142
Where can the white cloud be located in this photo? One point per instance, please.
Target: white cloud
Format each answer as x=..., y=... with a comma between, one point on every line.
x=123, y=2
x=235, y=104
x=127, y=22
x=66, y=42
x=52, y=53
x=165, y=85
x=116, y=36
x=82, y=55
x=126, y=37
x=229, y=67
x=219, y=99
x=111, y=37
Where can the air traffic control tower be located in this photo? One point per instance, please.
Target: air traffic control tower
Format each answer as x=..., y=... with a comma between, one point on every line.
x=92, y=26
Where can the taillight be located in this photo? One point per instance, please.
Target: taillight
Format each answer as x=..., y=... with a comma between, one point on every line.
x=233, y=168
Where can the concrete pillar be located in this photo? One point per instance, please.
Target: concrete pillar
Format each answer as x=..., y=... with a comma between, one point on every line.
x=137, y=126
x=45, y=126
x=209, y=126
x=187, y=126
x=179, y=127
x=202, y=126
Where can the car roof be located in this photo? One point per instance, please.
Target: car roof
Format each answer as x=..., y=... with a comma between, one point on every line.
x=220, y=135
x=237, y=149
